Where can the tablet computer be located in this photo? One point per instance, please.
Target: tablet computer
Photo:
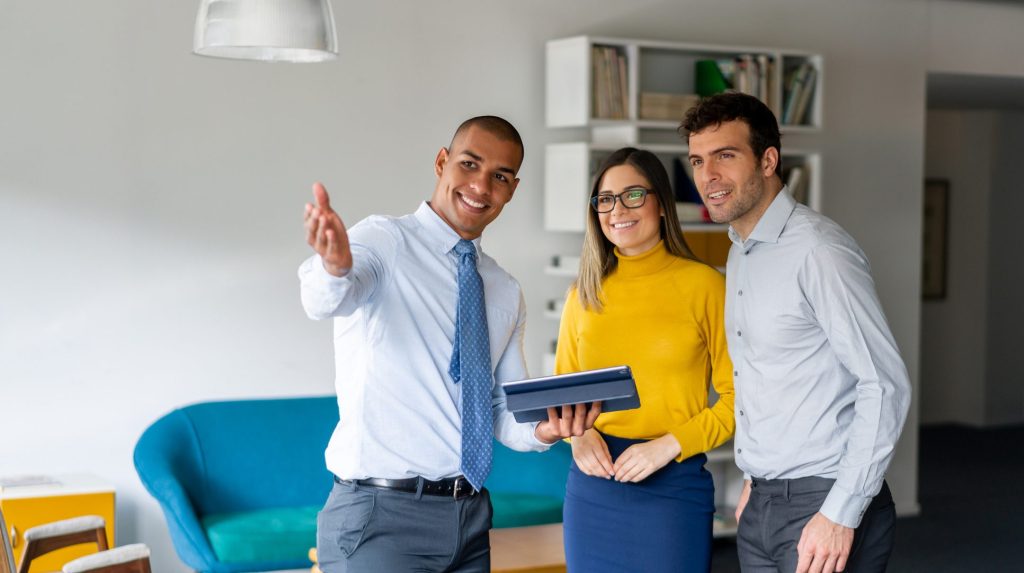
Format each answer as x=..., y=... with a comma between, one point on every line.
x=528, y=400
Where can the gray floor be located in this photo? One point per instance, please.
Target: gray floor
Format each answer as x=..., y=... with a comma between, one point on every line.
x=972, y=505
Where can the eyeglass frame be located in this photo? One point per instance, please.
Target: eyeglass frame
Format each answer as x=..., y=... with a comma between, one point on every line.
x=618, y=197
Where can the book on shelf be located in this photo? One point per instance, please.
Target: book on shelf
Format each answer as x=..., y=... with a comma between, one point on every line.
x=683, y=186
x=612, y=90
x=692, y=213
x=689, y=206
x=742, y=80
x=797, y=181
x=803, y=105
x=765, y=68
x=727, y=67
x=655, y=105
x=799, y=88
x=623, y=86
x=752, y=74
x=761, y=63
x=610, y=93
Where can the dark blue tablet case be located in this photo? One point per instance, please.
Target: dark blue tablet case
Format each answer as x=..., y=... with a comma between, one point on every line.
x=528, y=400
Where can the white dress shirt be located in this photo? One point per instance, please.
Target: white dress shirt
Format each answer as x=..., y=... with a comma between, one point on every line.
x=394, y=325
x=821, y=389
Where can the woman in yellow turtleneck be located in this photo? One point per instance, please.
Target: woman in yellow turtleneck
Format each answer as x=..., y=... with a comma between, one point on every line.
x=638, y=497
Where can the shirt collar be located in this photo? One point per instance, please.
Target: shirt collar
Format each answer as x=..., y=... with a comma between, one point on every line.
x=769, y=227
x=440, y=233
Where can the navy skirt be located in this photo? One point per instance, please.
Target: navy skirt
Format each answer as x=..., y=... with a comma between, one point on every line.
x=661, y=524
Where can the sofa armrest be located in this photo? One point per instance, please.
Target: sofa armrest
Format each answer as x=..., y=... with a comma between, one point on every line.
x=161, y=456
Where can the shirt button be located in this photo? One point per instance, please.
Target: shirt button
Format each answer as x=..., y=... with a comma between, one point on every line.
x=741, y=412
x=735, y=373
x=739, y=451
x=739, y=333
x=741, y=292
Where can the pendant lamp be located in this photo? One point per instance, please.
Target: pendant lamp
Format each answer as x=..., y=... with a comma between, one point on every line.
x=266, y=30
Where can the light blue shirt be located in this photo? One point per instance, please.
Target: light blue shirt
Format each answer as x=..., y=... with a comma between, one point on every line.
x=394, y=323
x=821, y=389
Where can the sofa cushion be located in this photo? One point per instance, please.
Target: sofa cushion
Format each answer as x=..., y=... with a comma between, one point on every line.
x=521, y=509
x=277, y=534
x=288, y=532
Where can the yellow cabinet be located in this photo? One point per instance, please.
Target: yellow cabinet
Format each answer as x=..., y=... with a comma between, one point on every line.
x=711, y=246
x=28, y=502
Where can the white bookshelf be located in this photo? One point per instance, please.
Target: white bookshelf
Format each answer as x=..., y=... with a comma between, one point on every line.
x=560, y=271
x=668, y=67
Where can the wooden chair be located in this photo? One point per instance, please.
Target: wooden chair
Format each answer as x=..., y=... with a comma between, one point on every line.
x=43, y=539
x=125, y=559
x=6, y=551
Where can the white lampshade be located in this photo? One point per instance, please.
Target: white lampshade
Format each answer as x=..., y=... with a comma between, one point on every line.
x=266, y=30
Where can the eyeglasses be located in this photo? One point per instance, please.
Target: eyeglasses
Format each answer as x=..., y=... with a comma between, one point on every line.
x=631, y=198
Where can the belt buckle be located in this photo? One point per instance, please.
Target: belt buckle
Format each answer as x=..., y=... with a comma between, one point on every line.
x=455, y=486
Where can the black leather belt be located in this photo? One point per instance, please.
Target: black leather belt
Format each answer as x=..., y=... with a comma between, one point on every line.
x=455, y=487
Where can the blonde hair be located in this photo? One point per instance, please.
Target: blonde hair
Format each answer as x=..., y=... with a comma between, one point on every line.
x=598, y=259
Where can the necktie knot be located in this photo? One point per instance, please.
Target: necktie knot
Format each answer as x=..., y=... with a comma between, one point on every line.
x=464, y=247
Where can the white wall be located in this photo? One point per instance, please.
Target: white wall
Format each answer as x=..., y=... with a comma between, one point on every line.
x=150, y=200
x=953, y=330
x=1004, y=381
x=969, y=339
x=975, y=37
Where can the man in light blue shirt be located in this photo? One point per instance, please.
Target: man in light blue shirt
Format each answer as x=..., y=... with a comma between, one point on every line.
x=392, y=286
x=821, y=390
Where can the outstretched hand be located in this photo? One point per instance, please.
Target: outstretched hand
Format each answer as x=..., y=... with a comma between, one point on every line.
x=325, y=232
x=567, y=421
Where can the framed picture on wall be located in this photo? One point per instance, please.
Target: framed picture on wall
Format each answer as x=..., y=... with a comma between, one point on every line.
x=935, y=227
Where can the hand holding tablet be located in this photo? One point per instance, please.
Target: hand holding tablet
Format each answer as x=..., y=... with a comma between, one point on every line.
x=614, y=387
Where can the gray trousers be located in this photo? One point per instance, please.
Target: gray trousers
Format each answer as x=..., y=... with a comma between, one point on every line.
x=367, y=530
x=778, y=510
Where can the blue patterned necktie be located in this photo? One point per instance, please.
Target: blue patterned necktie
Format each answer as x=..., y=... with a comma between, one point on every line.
x=471, y=365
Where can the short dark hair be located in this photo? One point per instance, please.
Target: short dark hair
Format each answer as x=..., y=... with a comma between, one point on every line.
x=714, y=110
x=496, y=126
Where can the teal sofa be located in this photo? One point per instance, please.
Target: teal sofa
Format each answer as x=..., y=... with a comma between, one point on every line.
x=240, y=482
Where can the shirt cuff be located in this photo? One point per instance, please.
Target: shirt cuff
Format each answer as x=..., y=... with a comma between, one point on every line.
x=539, y=445
x=321, y=273
x=844, y=508
x=690, y=443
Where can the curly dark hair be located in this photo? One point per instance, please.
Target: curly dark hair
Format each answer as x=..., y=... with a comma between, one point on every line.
x=712, y=111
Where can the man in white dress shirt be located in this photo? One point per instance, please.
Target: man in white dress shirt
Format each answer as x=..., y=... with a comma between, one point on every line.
x=821, y=390
x=392, y=285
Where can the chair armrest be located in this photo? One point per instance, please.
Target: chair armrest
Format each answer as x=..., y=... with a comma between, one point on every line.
x=64, y=527
x=123, y=554
x=155, y=456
